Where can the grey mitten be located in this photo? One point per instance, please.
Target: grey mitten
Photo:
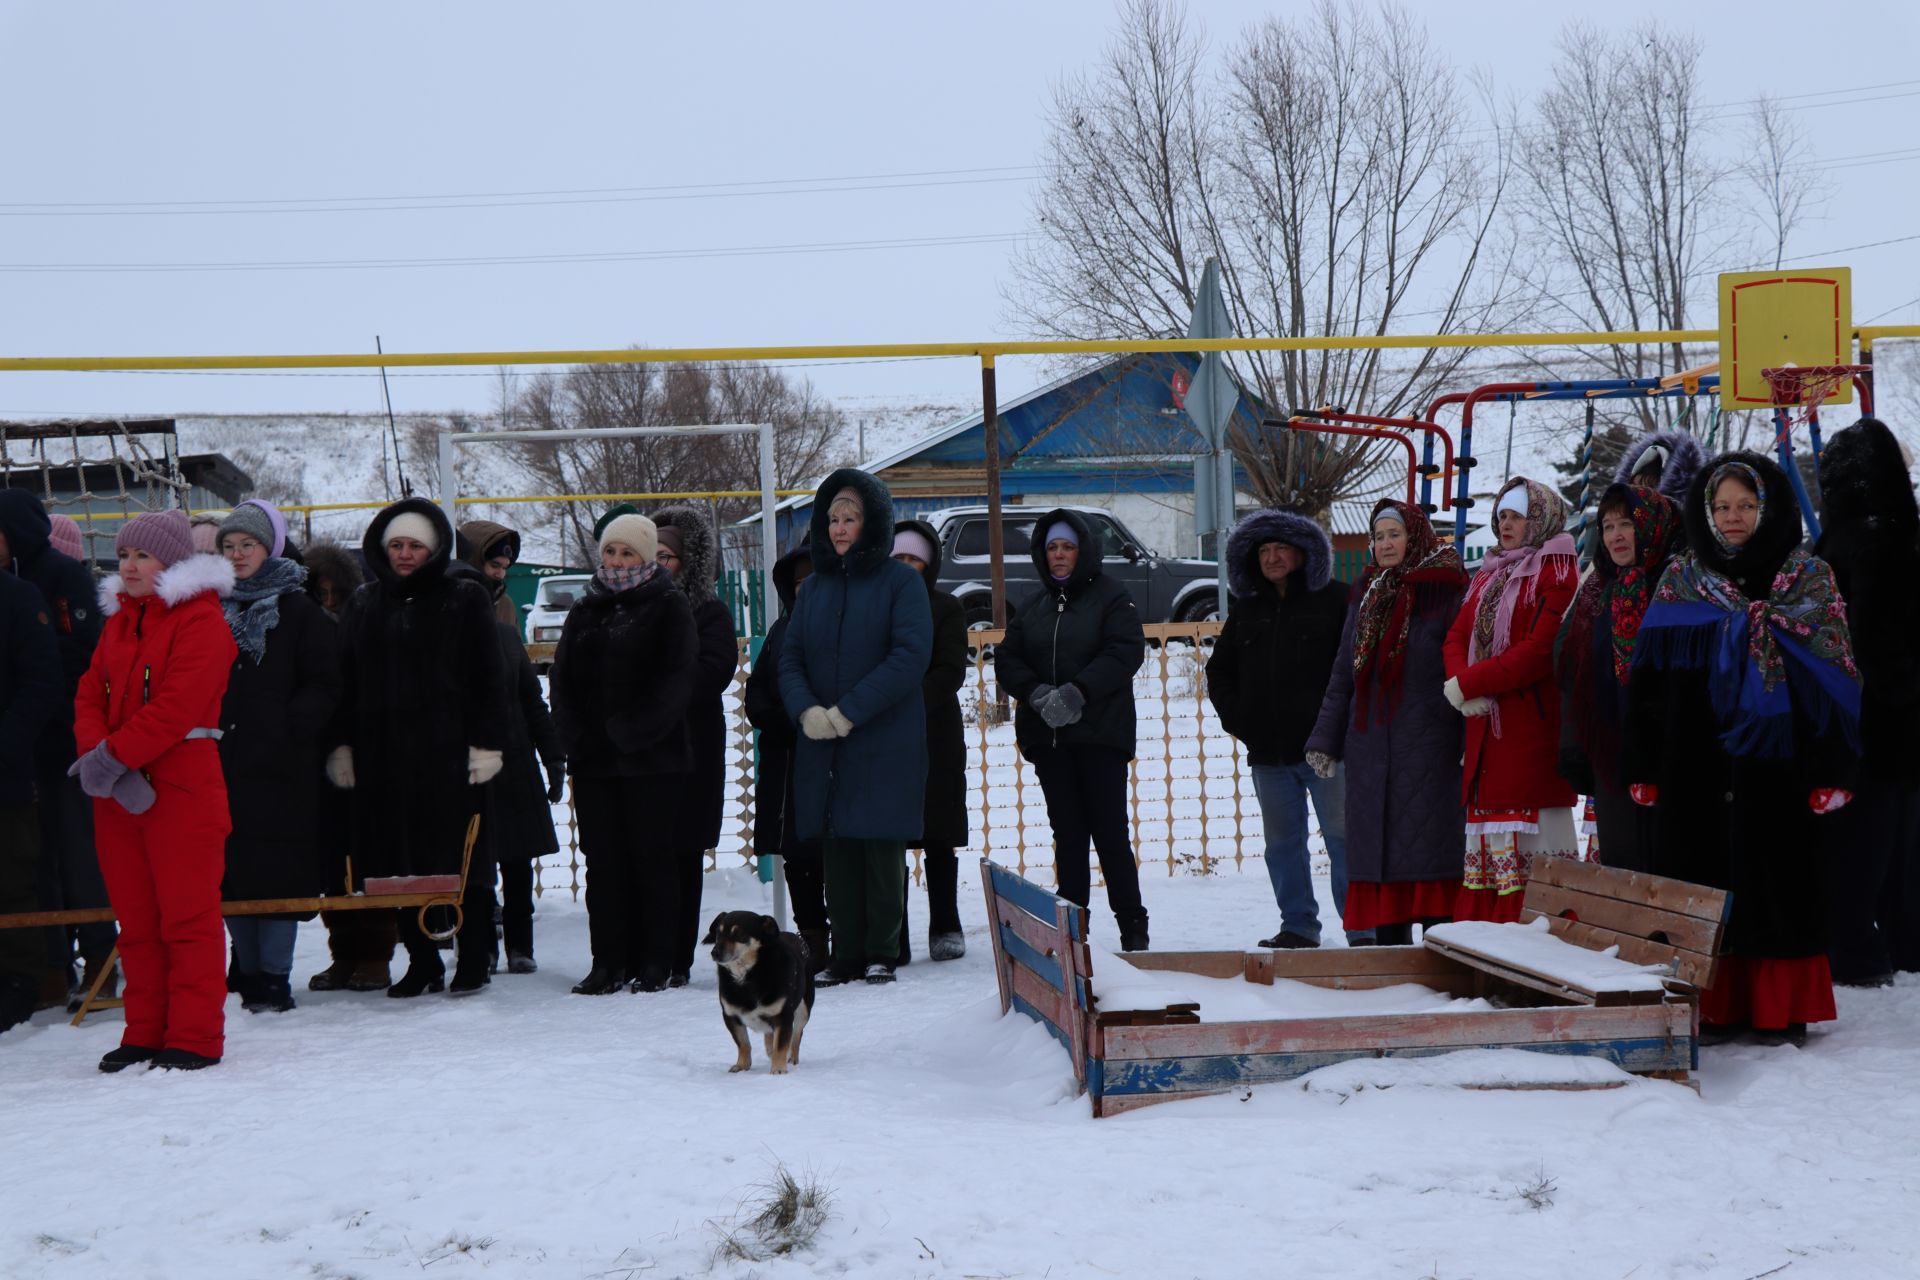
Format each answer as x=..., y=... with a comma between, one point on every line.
x=133, y=791
x=1064, y=707
x=1038, y=698
x=97, y=770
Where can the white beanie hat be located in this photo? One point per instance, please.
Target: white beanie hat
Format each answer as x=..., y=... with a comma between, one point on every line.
x=1514, y=500
x=411, y=524
x=635, y=531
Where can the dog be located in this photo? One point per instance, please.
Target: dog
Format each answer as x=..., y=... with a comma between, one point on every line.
x=766, y=985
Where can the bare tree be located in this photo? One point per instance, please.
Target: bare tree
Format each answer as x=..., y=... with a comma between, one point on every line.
x=1332, y=166
x=1777, y=165
x=806, y=432
x=1625, y=195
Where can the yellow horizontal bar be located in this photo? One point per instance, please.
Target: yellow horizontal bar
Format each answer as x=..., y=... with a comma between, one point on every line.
x=896, y=350
x=310, y=507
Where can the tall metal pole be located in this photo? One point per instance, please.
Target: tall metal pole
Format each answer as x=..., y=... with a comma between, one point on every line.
x=769, y=539
x=449, y=483
x=996, y=535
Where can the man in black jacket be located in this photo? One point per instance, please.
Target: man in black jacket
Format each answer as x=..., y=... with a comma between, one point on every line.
x=69, y=870
x=30, y=698
x=1266, y=678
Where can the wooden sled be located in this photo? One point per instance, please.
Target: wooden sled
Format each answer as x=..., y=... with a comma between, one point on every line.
x=388, y=893
x=1574, y=1000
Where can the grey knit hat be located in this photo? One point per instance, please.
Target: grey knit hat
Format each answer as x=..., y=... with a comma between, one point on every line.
x=251, y=520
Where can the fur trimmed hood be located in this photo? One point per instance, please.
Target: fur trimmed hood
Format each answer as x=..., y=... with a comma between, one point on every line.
x=875, y=544
x=1089, y=566
x=1684, y=458
x=932, y=572
x=1863, y=476
x=1244, y=578
x=699, y=574
x=1779, y=532
x=176, y=584
x=373, y=547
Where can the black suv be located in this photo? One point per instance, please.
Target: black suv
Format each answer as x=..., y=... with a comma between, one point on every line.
x=1164, y=590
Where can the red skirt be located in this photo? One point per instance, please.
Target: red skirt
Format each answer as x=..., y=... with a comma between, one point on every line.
x=1371, y=904
x=1768, y=995
x=1486, y=904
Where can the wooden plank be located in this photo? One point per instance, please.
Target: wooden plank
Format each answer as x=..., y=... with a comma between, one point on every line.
x=248, y=907
x=1043, y=938
x=388, y=886
x=1202, y=1074
x=1021, y=1006
x=1301, y=966
x=1392, y=1031
x=1687, y=933
x=1035, y=961
x=1690, y=967
x=1584, y=993
x=1660, y=892
x=1048, y=1003
x=1079, y=997
x=1025, y=894
x=1001, y=964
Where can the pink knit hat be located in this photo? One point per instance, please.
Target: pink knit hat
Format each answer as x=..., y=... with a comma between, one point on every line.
x=164, y=535
x=65, y=537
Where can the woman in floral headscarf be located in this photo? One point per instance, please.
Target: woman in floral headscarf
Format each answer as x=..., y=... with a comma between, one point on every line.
x=1500, y=676
x=1743, y=732
x=1385, y=715
x=1640, y=532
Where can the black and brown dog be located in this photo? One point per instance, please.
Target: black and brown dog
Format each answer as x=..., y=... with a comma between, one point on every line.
x=766, y=985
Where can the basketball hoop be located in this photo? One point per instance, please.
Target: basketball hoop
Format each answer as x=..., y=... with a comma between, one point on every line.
x=1803, y=391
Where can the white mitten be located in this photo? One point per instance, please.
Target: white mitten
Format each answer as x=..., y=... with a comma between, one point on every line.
x=482, y=764
x=1452, y=689
x=1477, y=707
x=841, y=725
x=340, y=768
x=817, y=724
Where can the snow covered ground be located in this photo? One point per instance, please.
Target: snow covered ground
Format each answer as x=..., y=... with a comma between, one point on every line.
x=527, y=1132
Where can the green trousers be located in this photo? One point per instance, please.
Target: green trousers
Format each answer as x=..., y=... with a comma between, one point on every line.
x=866, y=883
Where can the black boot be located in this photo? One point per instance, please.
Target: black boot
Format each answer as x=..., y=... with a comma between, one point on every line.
x=332, y=978
x=819, y=949
x=267, y=993
x=600, y=982
x=127, y=1055
x=431, y=976
x=183, y=1060
x=469, y=981
x=1133, y=929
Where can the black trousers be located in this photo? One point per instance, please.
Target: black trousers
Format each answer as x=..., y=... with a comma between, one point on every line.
x=1086, y=790
x=516, y=905
x=21, y=955
x=942, y=869
x=807, y=891
x=633, y=886
x=1873, y=886
x=690, y=875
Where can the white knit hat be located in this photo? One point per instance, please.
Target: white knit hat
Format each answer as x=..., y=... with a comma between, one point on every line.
x=1514, y=500
x=635, y=531
x=411, y=524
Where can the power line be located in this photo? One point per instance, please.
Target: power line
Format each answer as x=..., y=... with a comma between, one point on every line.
x=532, y=259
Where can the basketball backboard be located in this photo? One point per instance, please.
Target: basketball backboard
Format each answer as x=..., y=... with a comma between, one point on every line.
x=1769, y=319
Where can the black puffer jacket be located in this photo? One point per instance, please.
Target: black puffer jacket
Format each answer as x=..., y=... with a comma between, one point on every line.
x=1269, y=669
x=1872, y=540
x=773, y=830
x=72, y=608
x=697, y=818
x=621, y=680
x=946, y=812
x=1085, y=632
x=523, y=819
x=422, y=683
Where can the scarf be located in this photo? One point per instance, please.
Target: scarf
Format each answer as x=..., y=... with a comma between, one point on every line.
x=1597, y=657
x=1387, y=606
x=625, y=577
x=1509, y=578
x=1765, y=658
x=254, y=607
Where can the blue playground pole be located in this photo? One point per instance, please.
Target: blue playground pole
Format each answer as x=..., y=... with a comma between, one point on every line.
x=1783, y=446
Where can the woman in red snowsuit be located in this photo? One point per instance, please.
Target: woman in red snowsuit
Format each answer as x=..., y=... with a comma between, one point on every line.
x=146, y=723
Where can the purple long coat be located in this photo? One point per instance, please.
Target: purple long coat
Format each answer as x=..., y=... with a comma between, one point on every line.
x=1404, y=820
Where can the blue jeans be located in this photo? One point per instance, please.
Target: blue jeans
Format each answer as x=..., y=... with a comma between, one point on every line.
x=261, y=945
x=1283, y=790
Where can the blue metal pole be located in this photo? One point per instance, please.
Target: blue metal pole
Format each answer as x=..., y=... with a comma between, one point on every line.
x=1426, y=474
x=1581, y=534
x=1464, y=464
x=1783, y=446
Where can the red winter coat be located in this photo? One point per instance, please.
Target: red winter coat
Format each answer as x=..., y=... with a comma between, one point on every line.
x=159, y=670
x=1518, y=769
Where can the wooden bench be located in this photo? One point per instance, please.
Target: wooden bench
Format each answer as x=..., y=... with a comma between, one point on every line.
x=1645, y=1023
x=391, y=893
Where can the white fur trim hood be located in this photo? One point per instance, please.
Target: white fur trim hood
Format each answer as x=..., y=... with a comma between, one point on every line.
x=178, y=583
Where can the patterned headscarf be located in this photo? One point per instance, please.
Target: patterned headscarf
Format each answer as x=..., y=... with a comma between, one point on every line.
x=1765, y=659
x=1507, y=577
x=1596, y=658
x=1387, y=605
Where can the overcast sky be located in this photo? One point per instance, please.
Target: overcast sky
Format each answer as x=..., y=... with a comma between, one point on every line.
x=716, y=129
